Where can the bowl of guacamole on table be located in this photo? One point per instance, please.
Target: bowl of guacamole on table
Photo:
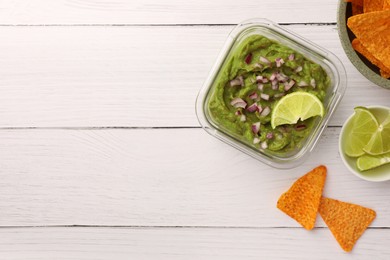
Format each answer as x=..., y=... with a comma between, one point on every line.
x=266, y=74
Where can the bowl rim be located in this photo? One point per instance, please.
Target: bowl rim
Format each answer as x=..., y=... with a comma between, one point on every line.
x=343, y=155
x=351, y=53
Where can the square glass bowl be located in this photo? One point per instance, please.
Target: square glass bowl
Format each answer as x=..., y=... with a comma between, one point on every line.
x=333, y=94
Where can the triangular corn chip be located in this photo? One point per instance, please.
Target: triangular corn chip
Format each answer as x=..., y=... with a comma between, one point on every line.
x=346, y=221
x=302, y=200
x=355, y=2
x=357, y=9
x=372, y=5
x=386, y=5
x=373, y=31
x=385, y=72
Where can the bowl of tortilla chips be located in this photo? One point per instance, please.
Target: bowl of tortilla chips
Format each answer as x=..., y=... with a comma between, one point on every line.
x=364, y=31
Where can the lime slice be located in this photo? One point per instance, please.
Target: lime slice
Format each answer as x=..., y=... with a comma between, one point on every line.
x=295, y=106
x=380, y=141
x=364, y=125
x=367, y=162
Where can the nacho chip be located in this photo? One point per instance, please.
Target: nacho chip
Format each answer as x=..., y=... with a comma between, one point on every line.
x=385, y=74
x=302, y=200
x=357, y=9
x=386, y=5
x=356, y=44
x=355, y=2
x=346, y=221
x=372, y=5
x=373, y=31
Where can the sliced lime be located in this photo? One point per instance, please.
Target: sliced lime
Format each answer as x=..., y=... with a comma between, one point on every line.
x=367, y=162
x=364, y=125
x=295, y=106
x=380, y=140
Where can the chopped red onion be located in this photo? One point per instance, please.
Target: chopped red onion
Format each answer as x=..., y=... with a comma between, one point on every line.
x=291, y=57
x=252, y=108
x=239, y=81
x=260, y=86
x=279, y=62
x=259, y=78
x=313, y=83
x=264, y=96
x=265, y=60
x=278, y=95
x=238, y=113
x=258, y=65
x=266, y=111
x=298, y=69
x=281, y=77
x=265, y=80
x=248, y=58
x=273, y=76
x=264, y=145
x=256, y=127
x=303, y=84
x=256, y=140
x=275, y=85
x=253, y=95
x=259, y=108
x=269, y=135
x=243, y=118
x=238, y=102
x=289, y=85
x=300, y=127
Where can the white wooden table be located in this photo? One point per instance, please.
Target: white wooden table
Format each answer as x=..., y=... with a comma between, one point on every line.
x=101, y=154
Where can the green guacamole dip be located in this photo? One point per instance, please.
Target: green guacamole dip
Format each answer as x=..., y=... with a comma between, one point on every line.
x=257, y=73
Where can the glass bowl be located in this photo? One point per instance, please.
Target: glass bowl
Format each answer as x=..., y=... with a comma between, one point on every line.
x=236, y=41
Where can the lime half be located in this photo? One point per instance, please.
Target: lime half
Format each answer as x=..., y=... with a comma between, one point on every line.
x=380, y=141
x=364, y=125
x=367, y=162
x=295, y=106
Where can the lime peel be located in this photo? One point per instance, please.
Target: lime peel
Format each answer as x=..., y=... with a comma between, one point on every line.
x=364, y=125
x=367, y=162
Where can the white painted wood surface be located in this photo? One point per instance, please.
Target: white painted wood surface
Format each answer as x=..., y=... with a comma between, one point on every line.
x=164, y=12
x=159, y=187
x=159, y=177
x=185, y=243
x=118, y=76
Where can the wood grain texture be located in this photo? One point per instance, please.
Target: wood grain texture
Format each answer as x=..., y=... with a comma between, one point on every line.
x=185, y=243
x=159, y=177
x=164, y=12
x=128, y=76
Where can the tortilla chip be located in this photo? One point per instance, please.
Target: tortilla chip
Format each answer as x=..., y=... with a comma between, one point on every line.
x=373, y=31
x=372, y=5
x=302, y=200
x=385, y=74
x=357, y=9
x=386, y=5
x=346, y=221
x=355, y=2
x=356, y=44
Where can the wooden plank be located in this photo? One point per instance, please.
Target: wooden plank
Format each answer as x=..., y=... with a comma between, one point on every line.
x=161, y=177
x=128, y=76
x=185, y=243
x=166, y=12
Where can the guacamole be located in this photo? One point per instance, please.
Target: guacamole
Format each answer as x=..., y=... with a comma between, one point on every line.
x=256, y=74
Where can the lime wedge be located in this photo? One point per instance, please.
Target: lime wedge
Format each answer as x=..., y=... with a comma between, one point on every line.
x=367, y=162
x=295, y=106
x=364, y=125
x=380, y=141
